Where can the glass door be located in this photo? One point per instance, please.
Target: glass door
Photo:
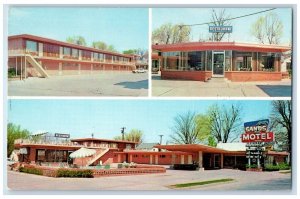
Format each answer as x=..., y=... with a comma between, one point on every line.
x=218, y=64
x=217, y=161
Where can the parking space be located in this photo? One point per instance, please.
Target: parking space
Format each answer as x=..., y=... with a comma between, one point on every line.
x=102, y=84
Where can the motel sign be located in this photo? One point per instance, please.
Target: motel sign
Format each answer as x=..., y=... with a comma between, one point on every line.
x=258, y=137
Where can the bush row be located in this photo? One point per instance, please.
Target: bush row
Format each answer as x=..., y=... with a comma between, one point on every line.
x=280, y=166
x=74, y=173
x=31, y=170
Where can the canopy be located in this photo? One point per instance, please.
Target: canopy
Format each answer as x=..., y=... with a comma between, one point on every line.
x=82, y=152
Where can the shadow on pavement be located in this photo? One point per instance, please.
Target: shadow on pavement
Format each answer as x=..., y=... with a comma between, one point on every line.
x=277, y=90
x=143, y=84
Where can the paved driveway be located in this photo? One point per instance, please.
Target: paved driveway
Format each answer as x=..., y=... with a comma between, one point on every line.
x=242, y=181
x=103, y=84
x=219, y=88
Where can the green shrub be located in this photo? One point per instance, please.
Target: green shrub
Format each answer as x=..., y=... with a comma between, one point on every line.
x=31, y=170
x=11, y=72
x=271, y=167
x=284, y=166
x=252, y=166
x=67, y=173
x=290, y=72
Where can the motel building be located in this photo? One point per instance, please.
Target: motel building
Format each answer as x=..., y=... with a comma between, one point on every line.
x=32, y=56
x=234, y=61
x=51, y=150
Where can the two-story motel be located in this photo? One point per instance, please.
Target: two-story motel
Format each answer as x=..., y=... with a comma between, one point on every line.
x=31, y=55
x=228, y=155
x=235, y=61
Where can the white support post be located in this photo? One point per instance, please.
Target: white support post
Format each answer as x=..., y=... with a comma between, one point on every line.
x=200, y=161
x=41, y=49
x=25, y=67
x=60, y=52
x=21, y=68
x=16, y=66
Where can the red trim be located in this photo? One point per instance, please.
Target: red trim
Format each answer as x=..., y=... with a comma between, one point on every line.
x=193, y=46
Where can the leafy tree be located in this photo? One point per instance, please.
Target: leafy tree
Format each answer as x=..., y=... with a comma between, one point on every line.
x=79, y=40
x=103, y=46
x=170, y=34
x=281, y=116
x=219, y=19
x=15, y=132
x=135, y=135
x=185, y=130
x=130, y=51
x=268, y=29
x=226, y=122
x=203, y=124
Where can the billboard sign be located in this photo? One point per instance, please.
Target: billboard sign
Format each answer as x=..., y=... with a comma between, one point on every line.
x=220, y=29
x=61, y=135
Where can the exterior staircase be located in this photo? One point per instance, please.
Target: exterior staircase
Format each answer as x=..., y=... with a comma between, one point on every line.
x=36, y=65
x=98, y=155
x=218, y=80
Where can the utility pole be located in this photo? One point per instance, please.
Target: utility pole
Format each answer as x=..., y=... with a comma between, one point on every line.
x=160, y=141
x=123, y=132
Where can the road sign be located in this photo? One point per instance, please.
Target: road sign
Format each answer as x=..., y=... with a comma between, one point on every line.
x=220, y=29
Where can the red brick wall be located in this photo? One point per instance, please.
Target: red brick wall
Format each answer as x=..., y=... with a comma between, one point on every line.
x=186, y=75
x=244, y=76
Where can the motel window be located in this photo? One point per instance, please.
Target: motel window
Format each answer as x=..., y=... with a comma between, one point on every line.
x=51, y=50
x=86, y=55
x=67, y=51
x=101, y=56
x=96, y=56
x=31, y=46
x=41, y=155
x=75, y=52
x=162, y=156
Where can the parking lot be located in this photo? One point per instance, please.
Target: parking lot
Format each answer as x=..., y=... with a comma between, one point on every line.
x=102, y=84
x=219, y=87
x=242, y=181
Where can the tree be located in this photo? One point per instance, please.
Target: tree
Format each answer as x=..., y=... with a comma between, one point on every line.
x=185, y=130
x=170, y=34
x=267, y=29
x=103, y=46
x=219, y=19
x=203, y=125
x=79, y=40
x=15, y=132
x=225, y=122
x=281, y=116
x=135, y=135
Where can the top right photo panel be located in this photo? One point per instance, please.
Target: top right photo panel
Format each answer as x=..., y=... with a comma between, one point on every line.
x=222, y=52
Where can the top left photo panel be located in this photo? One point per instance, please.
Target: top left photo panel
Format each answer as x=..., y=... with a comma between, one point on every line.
x=77, y=51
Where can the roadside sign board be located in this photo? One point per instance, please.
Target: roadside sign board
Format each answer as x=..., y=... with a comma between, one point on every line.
x=62, y=135
x=220, y=29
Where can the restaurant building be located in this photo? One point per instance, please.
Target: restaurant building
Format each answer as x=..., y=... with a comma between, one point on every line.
x=234, y=61
x=228, y=155
x=30, y=55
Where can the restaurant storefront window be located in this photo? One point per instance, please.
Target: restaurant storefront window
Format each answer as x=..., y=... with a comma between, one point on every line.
x=44, y=155
x=243, y=61
x=228, y=60
x=268, y=61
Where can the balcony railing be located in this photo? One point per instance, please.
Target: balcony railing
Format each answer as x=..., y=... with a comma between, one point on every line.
x=46, y=142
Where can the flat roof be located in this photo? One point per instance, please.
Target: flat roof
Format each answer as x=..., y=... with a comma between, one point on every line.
x=152, y=152
x=102, y=140
x=66, y=44
x=194, y=46
x=191, y=148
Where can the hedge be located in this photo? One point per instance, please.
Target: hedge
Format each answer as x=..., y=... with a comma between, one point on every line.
x=75, y=173
x=280, y=166
x=31, y=170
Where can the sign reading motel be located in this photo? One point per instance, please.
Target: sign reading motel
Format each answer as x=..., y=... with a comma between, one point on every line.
x=256, y=131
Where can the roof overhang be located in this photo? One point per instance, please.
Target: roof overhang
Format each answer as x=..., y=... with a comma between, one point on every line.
x=201, y=46
x=193, y=148
x=101, y=140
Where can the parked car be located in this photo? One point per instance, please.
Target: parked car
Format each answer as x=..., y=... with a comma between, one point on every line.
x=140, y=70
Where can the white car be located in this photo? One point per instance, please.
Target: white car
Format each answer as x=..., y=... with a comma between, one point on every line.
x=140, y=70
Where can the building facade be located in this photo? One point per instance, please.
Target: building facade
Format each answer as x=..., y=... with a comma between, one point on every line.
x=31, y=55
x=235, y=61
x=118, y=151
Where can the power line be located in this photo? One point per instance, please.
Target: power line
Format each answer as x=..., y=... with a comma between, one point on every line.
x=247, y=15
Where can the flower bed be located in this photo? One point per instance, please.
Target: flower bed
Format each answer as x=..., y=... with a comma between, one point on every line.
x=128, y=171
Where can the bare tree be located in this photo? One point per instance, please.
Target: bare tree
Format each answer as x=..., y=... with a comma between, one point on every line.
x=268, y=29
x=219, y=19
x=170, y=34
x=282, y=116
x=225, y=123
x=185, y=130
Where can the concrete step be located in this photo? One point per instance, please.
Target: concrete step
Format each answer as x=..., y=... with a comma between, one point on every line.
x=218, y=80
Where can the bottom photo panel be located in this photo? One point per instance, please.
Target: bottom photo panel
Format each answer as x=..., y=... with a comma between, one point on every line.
x=151, y=145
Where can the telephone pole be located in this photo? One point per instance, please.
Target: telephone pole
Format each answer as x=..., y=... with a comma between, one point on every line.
x=123, y=132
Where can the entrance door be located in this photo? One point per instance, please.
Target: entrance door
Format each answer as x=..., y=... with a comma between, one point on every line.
x=217, y=161
x=218, y=64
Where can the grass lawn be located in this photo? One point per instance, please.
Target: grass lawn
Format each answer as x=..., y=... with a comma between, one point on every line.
x=285, y=171
x=202, y=183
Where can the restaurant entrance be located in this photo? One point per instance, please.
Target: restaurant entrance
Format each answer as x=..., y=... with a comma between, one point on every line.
x=211, y=161
x=218, y=63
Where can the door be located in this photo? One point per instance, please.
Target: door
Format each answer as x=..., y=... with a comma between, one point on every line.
x=218, y=64
x=217, y=161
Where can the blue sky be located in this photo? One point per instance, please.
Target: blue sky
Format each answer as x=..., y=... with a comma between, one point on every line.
x=104, y=118
x=241, y=27
x=125, y=28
